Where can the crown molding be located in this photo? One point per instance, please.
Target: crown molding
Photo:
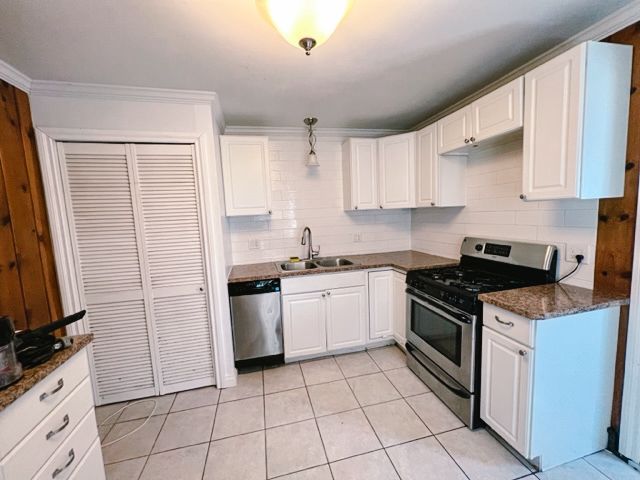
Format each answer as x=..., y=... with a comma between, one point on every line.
x=15, y=77
x=301, y=133
x=609, y=25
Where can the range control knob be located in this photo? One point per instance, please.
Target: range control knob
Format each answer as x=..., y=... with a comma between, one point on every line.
x=478, y=247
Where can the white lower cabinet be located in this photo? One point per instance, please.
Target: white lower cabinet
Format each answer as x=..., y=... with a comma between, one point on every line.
x=400, y=307
x=380, y=304
x=304, y=324
x=346, y=317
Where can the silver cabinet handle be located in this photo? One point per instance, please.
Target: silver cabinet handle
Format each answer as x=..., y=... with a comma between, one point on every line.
x=522, y=353
x=501, y=322
x=59, y=470
x=328, y=293
x=522, y=196
x=54, y=391
x=270, y=212
x=380, y=206
x=466, y=140
x=433, y=204
x=473, y=139
x=356, y=207
x=65, y=424
x=324, y=295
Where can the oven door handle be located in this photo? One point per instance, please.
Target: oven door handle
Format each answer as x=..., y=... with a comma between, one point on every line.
x=459, y=392
x=458, y=317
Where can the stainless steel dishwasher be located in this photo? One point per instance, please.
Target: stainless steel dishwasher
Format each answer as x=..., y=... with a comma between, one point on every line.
x=257, y=322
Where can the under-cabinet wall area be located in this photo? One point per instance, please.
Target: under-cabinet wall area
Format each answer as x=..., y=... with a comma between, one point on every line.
x=313, y=196
x=494, y=210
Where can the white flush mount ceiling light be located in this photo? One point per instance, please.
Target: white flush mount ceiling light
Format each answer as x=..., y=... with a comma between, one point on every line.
x=305, y=23
x=312, y=156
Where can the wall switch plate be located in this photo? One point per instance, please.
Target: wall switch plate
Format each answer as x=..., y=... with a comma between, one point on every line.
x=357, y=237
x=255, y=244
x=574, y=249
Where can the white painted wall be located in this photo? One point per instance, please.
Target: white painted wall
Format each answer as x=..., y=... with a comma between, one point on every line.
x=313, y=196
x=494, y=181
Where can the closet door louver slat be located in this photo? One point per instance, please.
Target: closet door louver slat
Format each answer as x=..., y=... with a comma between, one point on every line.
x=102, y=212
x=169, y=202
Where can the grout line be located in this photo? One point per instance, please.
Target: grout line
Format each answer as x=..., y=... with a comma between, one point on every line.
x=315, y=420
x=157, y=436
x=264, y=422
x=206, y=457
x=451, y=456
x=600, y=471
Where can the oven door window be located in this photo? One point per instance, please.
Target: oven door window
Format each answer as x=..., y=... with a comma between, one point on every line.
x=439, y=332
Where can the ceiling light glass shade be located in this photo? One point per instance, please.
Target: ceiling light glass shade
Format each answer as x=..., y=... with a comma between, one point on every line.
x=312, y=159
x=299, y=20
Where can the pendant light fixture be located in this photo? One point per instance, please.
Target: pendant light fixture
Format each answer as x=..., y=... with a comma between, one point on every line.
x=312, y=156
x=305, y=23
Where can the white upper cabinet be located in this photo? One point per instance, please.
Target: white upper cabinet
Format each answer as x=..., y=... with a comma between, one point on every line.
x=245, y=169
x=360, y=173
x=498, y=112
x=397, y=171
x=575, y=124
x=455, y=131
x=440, y=181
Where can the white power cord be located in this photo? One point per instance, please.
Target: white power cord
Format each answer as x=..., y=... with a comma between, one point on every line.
x=155, y=405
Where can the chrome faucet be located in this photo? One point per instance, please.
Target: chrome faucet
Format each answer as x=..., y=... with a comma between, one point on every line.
x=306, y=237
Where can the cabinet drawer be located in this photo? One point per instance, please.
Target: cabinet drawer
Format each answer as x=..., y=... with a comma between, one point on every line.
x=91, y=465
x=22, y=416
x=509, y=324
x=26, y=458
x=320, y=282
x=67, y=457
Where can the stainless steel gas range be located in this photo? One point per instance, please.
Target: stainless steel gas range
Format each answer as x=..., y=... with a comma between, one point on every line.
x=444, y=315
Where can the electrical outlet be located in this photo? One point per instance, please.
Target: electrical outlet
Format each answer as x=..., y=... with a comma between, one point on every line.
x=578, y=249
x=357, y=237
x=255, y=244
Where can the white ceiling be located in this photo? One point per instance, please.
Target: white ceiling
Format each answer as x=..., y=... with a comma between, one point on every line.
x=390, y=64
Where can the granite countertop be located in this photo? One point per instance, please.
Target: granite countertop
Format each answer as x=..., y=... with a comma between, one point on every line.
x=32, y=376
x=553, y=300
x=405, y=260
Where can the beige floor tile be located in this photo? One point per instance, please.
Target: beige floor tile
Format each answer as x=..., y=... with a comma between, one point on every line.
x=249, y=385
x=330, y=398
x=287, y=407
x=127, y=470
x=103, y=431
x=183, y=463
x=612, y=466
x=316, y=473
x=186, y=428
x=481, y=456
x=395, y=422
x=406, y=382
x=321, y=371
x=138, y=444
x=424, y=460
x=374, y=388
x=576, y=470
x=370, y=466
x=236, y=458
x=200, y=397
x=145, y=406
x=241, y=416
x=356, y=364
x=105, y=411
x=347, y=434
x=434, y=413
x=294, y=447
x=282, y=378
x=388, y=358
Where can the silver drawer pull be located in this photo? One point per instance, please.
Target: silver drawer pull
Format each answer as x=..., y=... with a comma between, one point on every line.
x=65, y=424
x=59, y=470
x=506, y=324
x=522, y=353
x=54, y=391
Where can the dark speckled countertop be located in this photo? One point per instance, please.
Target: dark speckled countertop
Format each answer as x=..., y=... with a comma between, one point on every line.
x=405, y=260
x=553, y=300
x=32, y=376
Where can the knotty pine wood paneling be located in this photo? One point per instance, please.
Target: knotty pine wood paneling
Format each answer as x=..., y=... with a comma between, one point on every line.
x=29, y=290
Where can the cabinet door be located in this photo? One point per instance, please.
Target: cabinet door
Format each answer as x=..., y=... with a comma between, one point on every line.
x=426, y=166
x=346, y=317
x=400, y=307
x=498, y=112
x=506, y=388
x=304, y=324
x=551, y=123
x=397, y=171
x=454, y=131
x=245, y=170
x=380, y=304
x=361, y=173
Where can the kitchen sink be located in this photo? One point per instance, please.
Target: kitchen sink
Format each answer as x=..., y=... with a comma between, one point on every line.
x=333, y=262
x=292, y=266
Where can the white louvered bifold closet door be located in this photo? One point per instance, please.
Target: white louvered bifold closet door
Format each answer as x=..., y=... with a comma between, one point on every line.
x=169, y=200
x=108, y=258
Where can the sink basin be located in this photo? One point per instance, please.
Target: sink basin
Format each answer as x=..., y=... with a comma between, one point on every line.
x=290, y=266
x=333, y=262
